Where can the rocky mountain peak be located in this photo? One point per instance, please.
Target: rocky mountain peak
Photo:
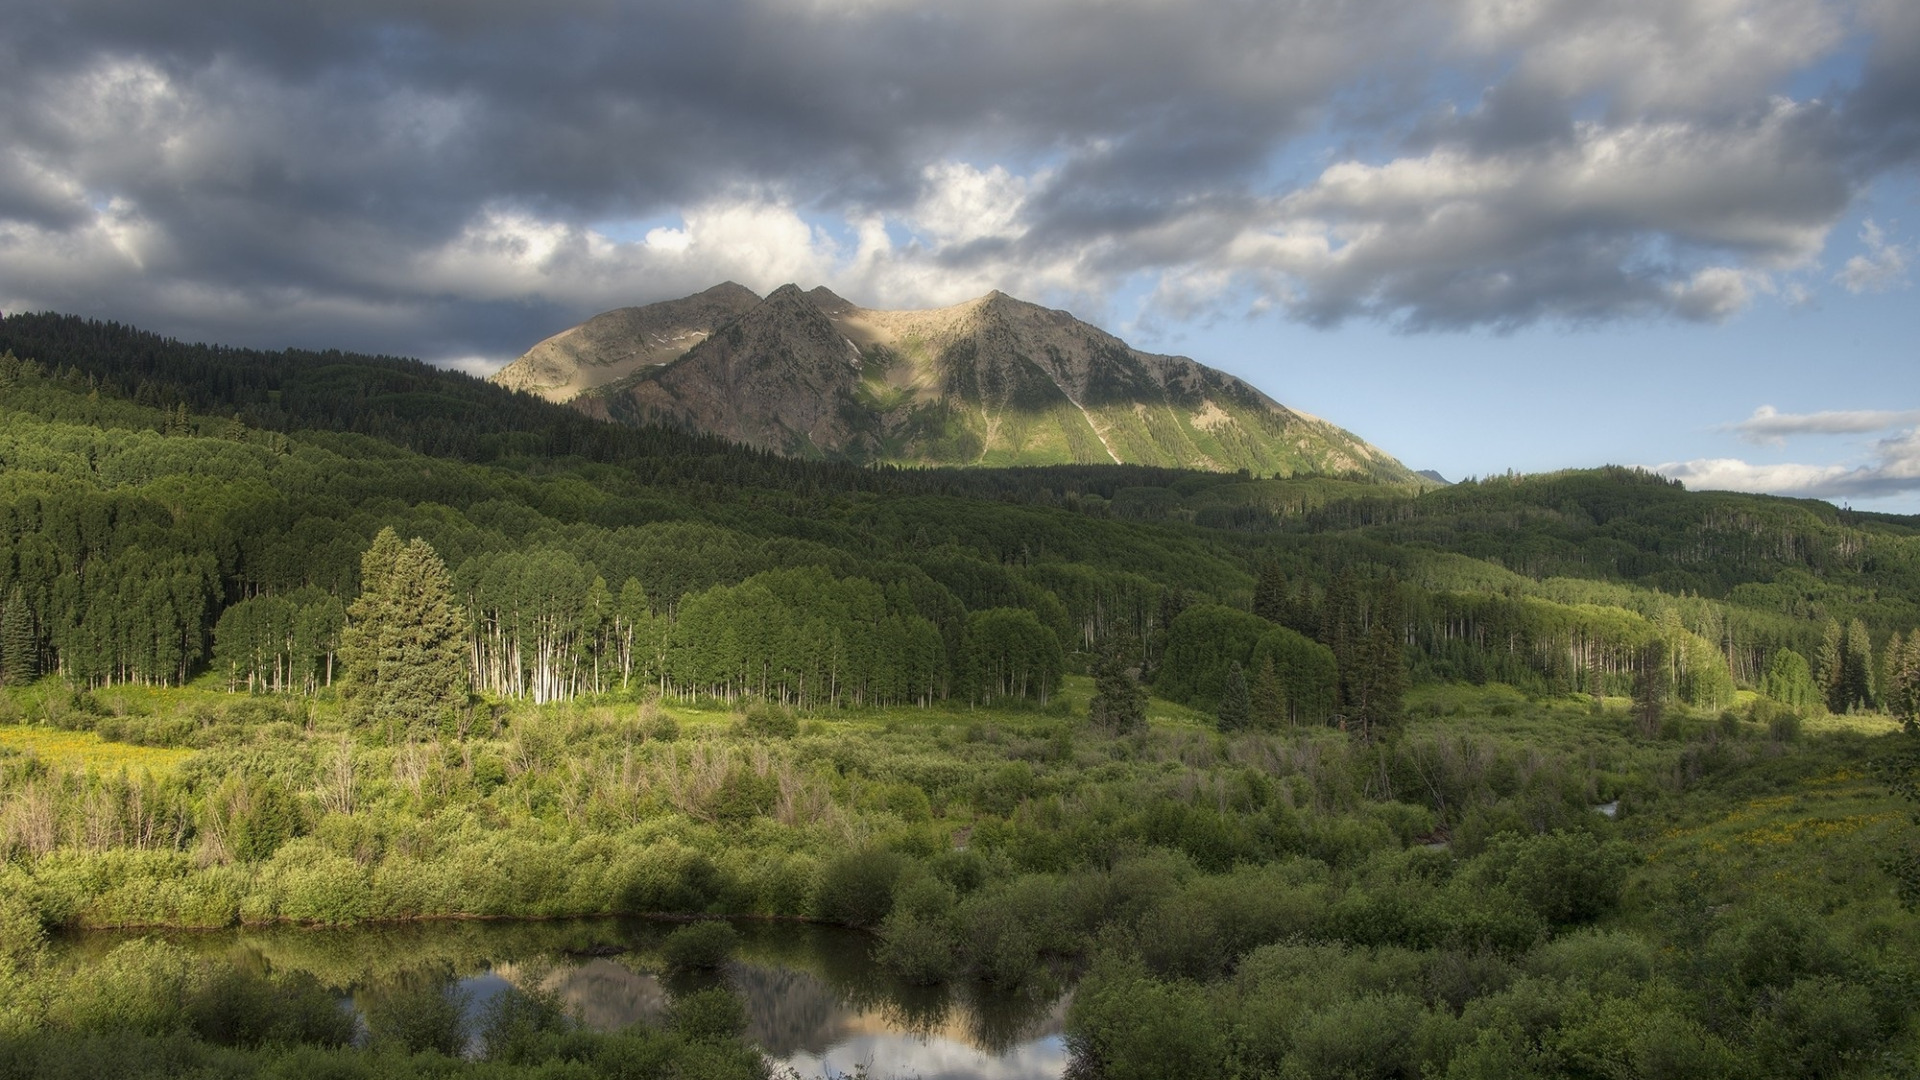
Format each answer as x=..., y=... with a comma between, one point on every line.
x=996, y=380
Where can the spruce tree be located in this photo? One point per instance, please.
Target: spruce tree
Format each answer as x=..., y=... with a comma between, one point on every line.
x=1830, y=667
x=19, y=645
x=1856, y=667
x=1650, y=688
x=1903, y=680
x=1119, y=703
x=1269, y=697
x=1236, y=704
x=403, y=648
x=1270, y=593
x=1382, y=667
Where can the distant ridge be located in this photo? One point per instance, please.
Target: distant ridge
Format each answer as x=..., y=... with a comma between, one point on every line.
x=992, y=381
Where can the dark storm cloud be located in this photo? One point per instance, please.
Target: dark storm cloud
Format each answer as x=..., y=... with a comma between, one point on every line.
x=421, y=177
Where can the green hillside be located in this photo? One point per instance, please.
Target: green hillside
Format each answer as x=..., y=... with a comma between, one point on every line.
x=1287, y=777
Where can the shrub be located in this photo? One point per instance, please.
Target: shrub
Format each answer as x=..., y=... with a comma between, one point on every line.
x=700, y=946
x=921, y=949
x=515, y=1020
x=139, y=986
x=234, y=1007
x=771, y=721
x=711, y=1015
x=857, y=889
x=424, y=1016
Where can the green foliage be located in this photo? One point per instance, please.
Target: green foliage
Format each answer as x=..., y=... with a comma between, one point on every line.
x=1203, y=645
x=1119, y=702
x=402, y=648
x=857, y=888
x=19, y=641
x=1790, y=681
x=771, y=721
x=1007, y=653
x=1295, y=680
x=700, y=945
x=712, y=1015
x=417, y=1016
x=1235, y=712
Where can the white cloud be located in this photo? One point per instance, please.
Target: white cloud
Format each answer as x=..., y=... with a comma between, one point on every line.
x=1769, y=425
x=1893, y=470
x=1883, y=266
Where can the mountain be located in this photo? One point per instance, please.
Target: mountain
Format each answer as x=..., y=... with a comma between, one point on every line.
x=993, y=381
x=615, y=343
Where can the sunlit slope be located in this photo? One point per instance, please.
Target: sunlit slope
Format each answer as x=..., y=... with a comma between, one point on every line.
x=994, y=381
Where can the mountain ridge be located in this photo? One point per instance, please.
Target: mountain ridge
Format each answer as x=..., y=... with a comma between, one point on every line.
x=991, y=381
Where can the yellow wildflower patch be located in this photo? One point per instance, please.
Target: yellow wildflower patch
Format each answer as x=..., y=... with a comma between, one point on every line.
x=85, y=750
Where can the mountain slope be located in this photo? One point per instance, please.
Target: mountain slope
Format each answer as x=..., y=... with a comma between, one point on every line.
x=615, y=343
x=993, y=381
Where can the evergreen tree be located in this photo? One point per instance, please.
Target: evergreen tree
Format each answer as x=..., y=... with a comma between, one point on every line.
x=1830, y=666
x=1856, y=667
x=1342, y=631
x=1650, y=688
x=404, y=648
x=1236, y=704
x=1270, y=593
x=1902, y=688
x=1119, y=703
x=1269, y=697
x=1382, y=685
x=19, y=645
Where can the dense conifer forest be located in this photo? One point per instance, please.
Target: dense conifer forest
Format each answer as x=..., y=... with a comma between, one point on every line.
x=1295, y=776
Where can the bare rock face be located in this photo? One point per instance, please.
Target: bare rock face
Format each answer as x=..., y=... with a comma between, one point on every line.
x=613, y=345
x=993, y=381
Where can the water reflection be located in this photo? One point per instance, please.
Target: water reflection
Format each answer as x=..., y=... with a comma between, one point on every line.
x=815, y=1000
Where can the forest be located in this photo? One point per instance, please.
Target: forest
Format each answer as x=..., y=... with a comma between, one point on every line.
x=1292, y=776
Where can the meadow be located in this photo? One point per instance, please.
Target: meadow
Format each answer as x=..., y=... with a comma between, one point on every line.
x=1451, y=901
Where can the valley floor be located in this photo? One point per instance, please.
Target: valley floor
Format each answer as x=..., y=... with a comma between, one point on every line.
x=1447, y=902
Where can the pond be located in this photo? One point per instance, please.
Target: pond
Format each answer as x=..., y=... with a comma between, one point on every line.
x=815, y=1000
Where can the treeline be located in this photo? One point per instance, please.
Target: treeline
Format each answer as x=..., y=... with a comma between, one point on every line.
x=146, y=544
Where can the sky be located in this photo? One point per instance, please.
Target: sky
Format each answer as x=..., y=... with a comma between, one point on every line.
x=1485, y=235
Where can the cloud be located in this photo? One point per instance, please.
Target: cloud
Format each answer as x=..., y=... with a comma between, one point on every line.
x=1893, y=470
x=1770, y=426
x=1883, y=266
x=446, y=179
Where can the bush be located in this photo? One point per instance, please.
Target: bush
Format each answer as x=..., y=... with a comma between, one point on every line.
x=1128, y=1026
x=1369, y=1036
x=516, y=1019
x=700, y=946
x=857, y=889
x=920, y=949
x=234, y=1007
x=712, y=1015
x=425, y=1016
x=138, y=987
x=771, y=721
x=1567, y=877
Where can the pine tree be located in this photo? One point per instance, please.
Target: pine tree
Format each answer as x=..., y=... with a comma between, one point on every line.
x=1382, y=667
x=404, y=647
x=19, y=645
x=1269, y=697
x=1830, y=667
x=1119, y=703
x=1902, y=688
x=1270, y=593
x=1650, y=688
x=1341, y=630
x=1856, y=667
x=1236, y=705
